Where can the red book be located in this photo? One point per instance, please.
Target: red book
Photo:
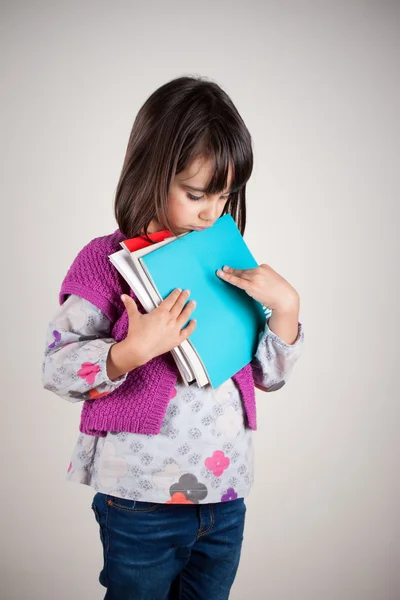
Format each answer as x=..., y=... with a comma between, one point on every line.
x=138, y=242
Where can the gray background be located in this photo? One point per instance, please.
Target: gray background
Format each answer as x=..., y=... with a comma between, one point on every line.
x=317, y=84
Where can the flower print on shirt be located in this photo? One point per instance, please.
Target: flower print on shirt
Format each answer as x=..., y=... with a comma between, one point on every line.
x=230, y=494
x=88, y=443
x=111, y=466
x=79, y=395
x=179, y=498
x=79, y=475
x=87, y=338
x=274, y=359
x=76, y=352
x=96, y=394
x=164, y=479
x=190, y=487
x=57, y=338
x=75, y=313
x=230, y=422
x=88, y=371
x=249, y=456
x=217, y=463
x=225, y=392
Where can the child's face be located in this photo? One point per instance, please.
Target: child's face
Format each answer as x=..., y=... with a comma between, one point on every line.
x=185, y=211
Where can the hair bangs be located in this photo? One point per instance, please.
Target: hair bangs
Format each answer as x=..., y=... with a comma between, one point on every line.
x=228, y=153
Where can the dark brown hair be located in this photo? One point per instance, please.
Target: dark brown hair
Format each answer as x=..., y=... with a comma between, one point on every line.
x=183, y=119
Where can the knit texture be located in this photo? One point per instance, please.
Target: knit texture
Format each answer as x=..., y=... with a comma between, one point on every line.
x=139, y=404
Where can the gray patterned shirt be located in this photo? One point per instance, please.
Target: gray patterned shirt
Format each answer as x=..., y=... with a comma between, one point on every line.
x=204, y=450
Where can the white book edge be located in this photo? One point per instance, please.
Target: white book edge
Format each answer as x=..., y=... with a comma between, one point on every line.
x=122, y=263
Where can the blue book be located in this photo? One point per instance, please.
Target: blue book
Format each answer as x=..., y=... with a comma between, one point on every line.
x=229, y=321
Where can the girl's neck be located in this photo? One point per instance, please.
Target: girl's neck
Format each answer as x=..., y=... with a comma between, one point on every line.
x=153, y=227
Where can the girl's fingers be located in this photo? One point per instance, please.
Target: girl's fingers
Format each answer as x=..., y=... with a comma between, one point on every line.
x=179, y=304
x=185, y=314
x=130, y=305
x=239, y=282
x=170, y=300
x=184, y=333
x=232, y=271
x=245, y=273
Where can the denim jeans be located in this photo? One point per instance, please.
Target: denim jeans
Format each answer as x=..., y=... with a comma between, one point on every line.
x=157, y=551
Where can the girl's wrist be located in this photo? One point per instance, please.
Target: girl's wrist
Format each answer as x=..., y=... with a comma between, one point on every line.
x=120, y=360
x=284, y=323
x=291, y=305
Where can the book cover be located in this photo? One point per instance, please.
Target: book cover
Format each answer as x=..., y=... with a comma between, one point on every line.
x=229, y=321
x=188, y=351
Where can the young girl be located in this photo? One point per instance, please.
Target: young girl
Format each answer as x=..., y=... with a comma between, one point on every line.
x=171, y=464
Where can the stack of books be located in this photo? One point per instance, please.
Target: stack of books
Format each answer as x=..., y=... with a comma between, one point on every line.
x=229, y=321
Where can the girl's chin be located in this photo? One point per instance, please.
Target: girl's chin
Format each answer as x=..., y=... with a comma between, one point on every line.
x=155, y=226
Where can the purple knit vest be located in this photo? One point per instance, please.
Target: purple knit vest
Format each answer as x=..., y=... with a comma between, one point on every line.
x=140, y=403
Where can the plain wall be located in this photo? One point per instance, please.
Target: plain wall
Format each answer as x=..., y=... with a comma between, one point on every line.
x=317, y=84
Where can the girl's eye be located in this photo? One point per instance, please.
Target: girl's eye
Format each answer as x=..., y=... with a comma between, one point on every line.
x=200, y=197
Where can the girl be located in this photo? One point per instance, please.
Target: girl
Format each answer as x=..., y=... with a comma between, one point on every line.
x=170, y=464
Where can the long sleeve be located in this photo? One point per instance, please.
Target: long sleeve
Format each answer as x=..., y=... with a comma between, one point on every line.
x=274, y=359
x=77, y=346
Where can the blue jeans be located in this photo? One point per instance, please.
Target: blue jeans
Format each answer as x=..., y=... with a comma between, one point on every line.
x=157, y=551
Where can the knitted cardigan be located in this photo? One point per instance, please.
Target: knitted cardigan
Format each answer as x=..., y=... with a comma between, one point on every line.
x=139, y=404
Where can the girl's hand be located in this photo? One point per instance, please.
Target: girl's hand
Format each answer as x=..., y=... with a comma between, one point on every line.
x=264, y=285
x=151, y=334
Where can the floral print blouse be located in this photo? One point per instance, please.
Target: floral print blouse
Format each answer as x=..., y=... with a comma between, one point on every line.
x=204, y=450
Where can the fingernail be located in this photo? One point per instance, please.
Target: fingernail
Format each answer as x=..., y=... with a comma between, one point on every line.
x=123, y=298
x=225, y=268
x=219, y=272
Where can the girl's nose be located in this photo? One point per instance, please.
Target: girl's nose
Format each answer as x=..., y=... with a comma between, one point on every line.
x=210, y=214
